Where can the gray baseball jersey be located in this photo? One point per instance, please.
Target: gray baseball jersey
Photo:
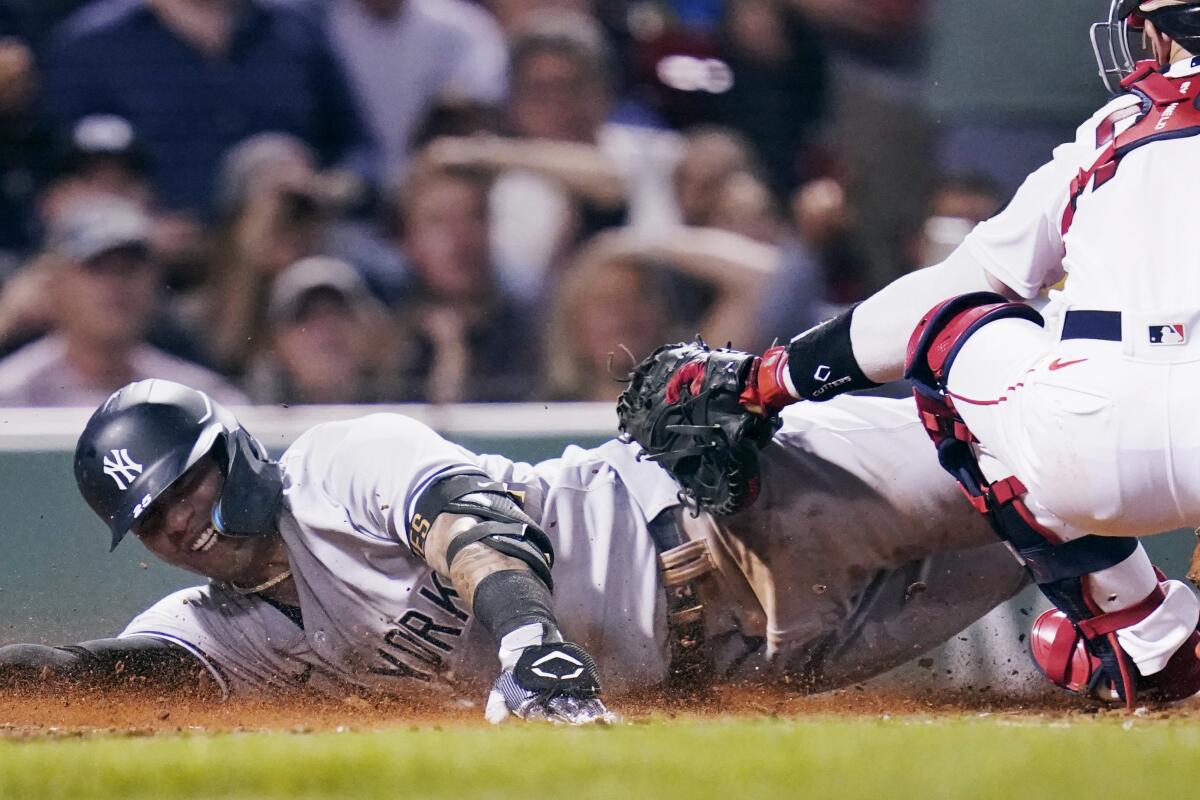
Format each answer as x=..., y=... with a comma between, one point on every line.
x=376, y=618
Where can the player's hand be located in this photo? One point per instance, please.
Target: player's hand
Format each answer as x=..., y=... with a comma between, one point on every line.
x=552, y=682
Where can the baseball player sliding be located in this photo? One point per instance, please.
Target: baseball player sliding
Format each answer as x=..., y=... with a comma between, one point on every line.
x=376, y=557
x=1075, y=432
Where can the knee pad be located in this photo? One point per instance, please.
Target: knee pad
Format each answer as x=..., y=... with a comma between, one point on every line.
x=944, y=328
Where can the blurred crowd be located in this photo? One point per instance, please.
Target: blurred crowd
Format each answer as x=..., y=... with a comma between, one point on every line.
x=343, y=201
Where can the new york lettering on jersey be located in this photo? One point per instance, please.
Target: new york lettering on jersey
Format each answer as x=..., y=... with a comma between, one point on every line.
x=423, y=639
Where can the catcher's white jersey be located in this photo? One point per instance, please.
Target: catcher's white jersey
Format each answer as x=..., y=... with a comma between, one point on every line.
x=1100, y=426
x=1102, y=430
x=1131, y=242
x=376, y=618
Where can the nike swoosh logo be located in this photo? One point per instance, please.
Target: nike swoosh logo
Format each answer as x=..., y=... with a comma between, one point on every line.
x=1056, y=364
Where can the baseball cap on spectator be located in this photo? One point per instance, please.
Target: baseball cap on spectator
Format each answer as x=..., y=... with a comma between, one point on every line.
x=95, y=226
x=104, y=136
x=310, y=276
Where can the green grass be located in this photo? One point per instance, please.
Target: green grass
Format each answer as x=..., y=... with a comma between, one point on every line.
x=1106, y=758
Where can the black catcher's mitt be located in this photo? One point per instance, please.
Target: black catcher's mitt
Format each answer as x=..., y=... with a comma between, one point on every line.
x=682, y=407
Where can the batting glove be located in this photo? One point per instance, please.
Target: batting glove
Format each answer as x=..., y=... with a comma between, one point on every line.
x=555, y=682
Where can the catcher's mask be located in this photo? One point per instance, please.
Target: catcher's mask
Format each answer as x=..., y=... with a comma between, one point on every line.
x=147, y=434
x=1117, y=42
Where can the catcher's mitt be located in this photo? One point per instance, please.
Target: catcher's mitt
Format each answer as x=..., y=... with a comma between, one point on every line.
x=682, y=407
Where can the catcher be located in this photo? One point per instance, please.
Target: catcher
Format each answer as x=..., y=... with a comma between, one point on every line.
x=1073, y=432
x=376, y=557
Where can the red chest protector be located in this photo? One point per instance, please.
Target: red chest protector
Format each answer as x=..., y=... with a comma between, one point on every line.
x=1168, y=110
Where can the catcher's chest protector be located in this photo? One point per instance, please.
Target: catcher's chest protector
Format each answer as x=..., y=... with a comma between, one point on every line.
x=1168, y=110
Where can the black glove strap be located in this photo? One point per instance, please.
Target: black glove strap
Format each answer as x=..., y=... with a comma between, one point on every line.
x=821, y=361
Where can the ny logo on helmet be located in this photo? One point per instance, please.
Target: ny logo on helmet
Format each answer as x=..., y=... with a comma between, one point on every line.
x=121, y=468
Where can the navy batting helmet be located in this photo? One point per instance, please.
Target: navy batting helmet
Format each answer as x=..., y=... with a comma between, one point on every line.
x=149, y=433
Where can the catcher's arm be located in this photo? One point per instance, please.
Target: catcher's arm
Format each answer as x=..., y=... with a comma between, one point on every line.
x=138, y=663
x=884, y=321
x=863, y=346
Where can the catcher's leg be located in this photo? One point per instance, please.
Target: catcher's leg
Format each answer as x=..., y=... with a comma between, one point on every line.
x=1118, y=626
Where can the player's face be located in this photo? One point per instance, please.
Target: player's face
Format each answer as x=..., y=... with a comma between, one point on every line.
x=177, y=527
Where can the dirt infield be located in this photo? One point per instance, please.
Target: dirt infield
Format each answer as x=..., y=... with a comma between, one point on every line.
x=85, y=714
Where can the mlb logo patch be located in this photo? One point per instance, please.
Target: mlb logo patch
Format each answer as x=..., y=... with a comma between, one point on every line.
x=1168, y=333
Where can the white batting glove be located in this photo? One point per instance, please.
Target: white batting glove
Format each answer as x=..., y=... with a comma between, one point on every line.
x=554, y=681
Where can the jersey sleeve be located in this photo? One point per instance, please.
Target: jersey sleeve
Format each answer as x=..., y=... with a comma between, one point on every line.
x=1022, y=246
x=234, y=637
x=374, y=468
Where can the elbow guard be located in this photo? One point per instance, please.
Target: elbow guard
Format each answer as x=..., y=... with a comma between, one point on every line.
x=525, y=543
x=506, y=527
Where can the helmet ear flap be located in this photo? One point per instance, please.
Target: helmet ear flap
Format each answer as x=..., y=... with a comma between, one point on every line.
x=253, y=487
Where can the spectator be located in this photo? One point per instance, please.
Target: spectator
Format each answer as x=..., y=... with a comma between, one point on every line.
x=320, y=322
x=877, y=130
x=105, y=291
x=559, y=176
x=796, y=294
x=194, y=77
x=777, y=95
x=24, y=143
x=406, y=57
x=616, y=295
x=461, y=337
x=710, y=155
x=825, y=224
x=515, y=15
x=275, y=208
x=102, y=155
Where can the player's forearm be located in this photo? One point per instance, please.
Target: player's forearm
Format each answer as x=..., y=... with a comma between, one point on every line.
x=24, y=665
x=882, y=324
x=140, y=663
x=475, y=564
x=502, y=591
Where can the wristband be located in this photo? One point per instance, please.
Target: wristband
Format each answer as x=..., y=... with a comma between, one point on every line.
x=821, y=361
x=510, y=599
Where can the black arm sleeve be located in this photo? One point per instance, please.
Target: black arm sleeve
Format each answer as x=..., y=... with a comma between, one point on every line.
x=509, y=599
x=136, y=662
